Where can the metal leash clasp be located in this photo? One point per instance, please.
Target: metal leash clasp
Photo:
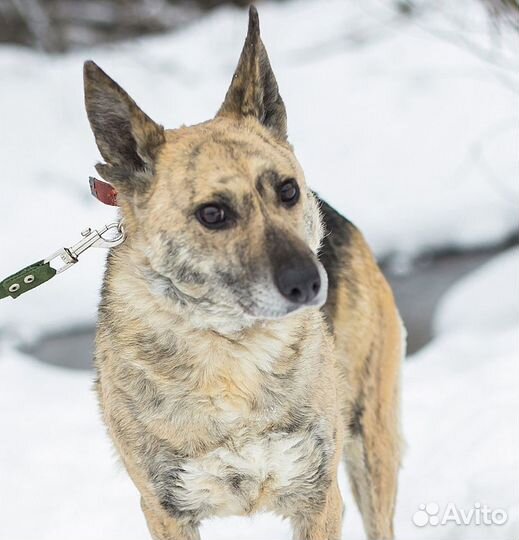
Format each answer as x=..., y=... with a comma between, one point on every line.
x=108, y=236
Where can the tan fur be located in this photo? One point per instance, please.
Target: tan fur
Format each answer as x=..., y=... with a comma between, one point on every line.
x=222, y=398
x=370, y=343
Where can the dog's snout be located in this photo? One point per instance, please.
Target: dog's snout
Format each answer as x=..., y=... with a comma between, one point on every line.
x=300, y=283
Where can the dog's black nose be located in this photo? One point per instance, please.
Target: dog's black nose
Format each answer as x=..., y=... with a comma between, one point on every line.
x=298, y=283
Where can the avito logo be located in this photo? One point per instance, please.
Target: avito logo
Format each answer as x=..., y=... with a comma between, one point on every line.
x=431, y=514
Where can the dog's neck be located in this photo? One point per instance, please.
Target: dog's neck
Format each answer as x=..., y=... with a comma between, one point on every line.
x=171, y=335
x=195, y=311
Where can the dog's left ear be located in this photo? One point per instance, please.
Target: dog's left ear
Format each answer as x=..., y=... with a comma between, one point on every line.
x=254, y=90
x=127, y=138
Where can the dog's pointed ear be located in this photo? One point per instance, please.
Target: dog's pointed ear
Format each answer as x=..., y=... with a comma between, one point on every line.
x=127, y=138
x=254, y=90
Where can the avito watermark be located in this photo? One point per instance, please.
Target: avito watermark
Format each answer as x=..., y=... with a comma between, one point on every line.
x=479, y=514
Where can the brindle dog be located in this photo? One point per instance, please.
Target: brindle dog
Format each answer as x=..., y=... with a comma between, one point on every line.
x=247, y=341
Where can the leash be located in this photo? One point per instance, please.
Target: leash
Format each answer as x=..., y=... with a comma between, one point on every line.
x=40, y=272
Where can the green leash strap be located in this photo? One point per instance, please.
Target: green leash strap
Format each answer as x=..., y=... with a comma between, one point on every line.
x=26, y=279
x=36, y=274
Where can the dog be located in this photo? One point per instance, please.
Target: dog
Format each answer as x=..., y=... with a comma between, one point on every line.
x=247, y=341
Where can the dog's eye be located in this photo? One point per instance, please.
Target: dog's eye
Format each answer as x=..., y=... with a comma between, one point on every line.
x=289, y=192
x=212, y=216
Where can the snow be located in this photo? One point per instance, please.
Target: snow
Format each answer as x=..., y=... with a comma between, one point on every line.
x=460, y=405
x=408, y=127
x=60, y=477
x=492, y=305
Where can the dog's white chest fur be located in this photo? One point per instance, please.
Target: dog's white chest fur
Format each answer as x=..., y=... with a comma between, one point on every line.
x=231, y=482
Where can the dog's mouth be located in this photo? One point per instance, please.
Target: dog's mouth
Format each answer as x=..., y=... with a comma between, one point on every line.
x=268, y=298
x=269, y=302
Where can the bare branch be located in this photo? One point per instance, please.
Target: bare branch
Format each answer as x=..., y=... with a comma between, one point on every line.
x=504, y=11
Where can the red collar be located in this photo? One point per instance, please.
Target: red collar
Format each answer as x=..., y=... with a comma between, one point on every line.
x=103, y=191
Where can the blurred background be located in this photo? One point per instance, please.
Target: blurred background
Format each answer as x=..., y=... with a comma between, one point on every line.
x=405, y=117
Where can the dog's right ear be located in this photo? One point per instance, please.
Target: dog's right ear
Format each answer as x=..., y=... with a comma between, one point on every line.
x=254, y=90
x=127, y=138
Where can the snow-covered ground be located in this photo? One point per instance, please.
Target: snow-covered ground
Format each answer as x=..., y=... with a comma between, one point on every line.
x=60, y=479
x=407, y=126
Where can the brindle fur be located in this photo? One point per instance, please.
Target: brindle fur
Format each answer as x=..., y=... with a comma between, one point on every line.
x=218, y=401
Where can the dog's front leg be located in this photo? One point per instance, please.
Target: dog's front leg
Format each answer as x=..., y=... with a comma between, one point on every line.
x=164, y=527
x=324, y=523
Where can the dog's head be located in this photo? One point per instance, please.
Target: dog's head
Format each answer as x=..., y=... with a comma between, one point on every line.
x=220, y=211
